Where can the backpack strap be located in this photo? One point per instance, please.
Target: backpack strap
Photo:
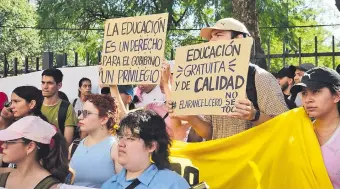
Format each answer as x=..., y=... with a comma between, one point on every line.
x=134, y=184
x=251, y=88
x=75, y=145
x=62, y=115
x=3, y=179
x=47, y=183
x=74, y=102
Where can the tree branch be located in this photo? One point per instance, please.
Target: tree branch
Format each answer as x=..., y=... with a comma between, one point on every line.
x=181, y=17
x=155, y=3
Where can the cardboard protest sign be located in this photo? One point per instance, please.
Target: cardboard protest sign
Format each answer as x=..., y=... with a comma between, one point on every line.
x=133, y=49
x=209, y=77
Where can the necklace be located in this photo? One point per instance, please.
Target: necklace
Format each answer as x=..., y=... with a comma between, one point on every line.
x=326, y=136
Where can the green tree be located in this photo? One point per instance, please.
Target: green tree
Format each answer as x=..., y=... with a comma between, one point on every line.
x=15, y=42
x=86, y=14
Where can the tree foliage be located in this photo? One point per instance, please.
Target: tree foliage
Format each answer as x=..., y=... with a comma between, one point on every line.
x=85, y=15
x=16, y=42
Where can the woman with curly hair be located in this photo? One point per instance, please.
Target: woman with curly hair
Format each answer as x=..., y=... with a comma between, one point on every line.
x=95, y=159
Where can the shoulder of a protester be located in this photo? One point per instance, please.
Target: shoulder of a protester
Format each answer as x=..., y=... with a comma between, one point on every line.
x=264, y=76
x=70, y=109
x=173, y=179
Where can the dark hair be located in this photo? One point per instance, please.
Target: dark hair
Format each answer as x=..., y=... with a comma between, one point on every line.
x=104, y=104
x=55, y=159
x=81, y=83
x=29, y=93
x=151, y=128
x=55, y=73
x=135, y=100
x=63, y=96
x=132, y=106
x=105, y=90
x=334, y=90
x=234, y=34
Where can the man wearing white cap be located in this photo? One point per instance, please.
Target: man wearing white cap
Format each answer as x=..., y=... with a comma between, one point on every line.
x=265, y=99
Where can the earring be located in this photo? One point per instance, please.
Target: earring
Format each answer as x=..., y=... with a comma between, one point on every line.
x=150, y=157
x=102, y=127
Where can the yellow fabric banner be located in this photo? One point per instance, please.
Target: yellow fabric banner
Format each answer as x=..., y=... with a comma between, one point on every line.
x=281, y=153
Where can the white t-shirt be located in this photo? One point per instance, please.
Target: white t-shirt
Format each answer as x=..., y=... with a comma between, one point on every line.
x=298, y=100
x=147, y=98
x=78, y=106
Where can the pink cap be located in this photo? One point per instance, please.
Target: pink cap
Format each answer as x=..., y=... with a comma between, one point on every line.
x=3, y=99
x=29, y=127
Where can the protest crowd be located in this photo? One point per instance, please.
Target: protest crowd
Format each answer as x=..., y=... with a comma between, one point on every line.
x=121, y=138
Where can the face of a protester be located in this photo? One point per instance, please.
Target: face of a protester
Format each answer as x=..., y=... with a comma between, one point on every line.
x=20, y=107
x=90, y=121
x=85, y=88
x=14, y=151
x=146, y=88
x=132, y=151
x=298, y=75
x=49, y=87
x=218, y=35
x=319, y=103
x=284, y=82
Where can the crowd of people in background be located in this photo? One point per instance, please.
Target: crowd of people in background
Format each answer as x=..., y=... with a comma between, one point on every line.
x=121, y=137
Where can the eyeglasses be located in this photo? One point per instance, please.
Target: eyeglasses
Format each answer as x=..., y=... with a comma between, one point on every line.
x=86, y=113
x=127, y=138
x=6, y=143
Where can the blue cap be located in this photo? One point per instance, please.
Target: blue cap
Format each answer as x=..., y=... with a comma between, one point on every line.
x=126, y=89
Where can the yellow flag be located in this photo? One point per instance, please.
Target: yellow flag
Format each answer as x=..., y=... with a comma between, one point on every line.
x=281, y=153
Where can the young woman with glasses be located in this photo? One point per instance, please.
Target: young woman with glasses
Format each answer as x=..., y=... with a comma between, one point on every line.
x=95, y=159
x=25, y=101
x=39, y=152
x=144, y=154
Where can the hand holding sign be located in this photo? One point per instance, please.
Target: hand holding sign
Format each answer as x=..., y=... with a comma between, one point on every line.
x=210, y=77
x=165, y=72
x=133, y=49
x=244, y=109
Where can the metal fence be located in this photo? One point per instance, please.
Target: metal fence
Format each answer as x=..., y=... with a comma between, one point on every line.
x=48, y=59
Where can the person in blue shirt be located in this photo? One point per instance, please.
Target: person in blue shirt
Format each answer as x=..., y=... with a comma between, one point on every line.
x=143, y=151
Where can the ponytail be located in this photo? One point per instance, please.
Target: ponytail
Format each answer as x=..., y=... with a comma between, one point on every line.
x=30, y=93
x=54, y=156
x=56, y=161
x=38, y=113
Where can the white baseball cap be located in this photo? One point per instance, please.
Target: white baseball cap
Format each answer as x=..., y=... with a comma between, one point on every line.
x=230, y=24
x=29, y=127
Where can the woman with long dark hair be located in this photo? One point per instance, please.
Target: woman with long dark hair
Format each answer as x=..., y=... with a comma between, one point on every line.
x=39, y=152
x=144, y=154
x=25, y=100
x=320, y=88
